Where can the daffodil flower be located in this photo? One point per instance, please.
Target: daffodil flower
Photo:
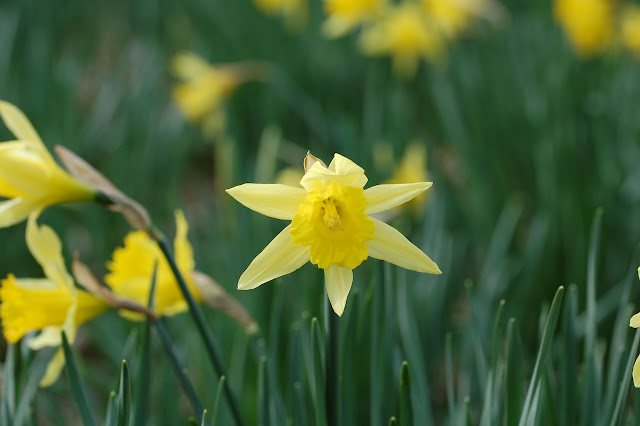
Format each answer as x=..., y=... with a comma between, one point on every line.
x=48, y=305
x=630, y=28
x=405, y=33
x=203, y=88
x=30, y=178
x=330, y=226
x=131, y=269
x=587, y=23
x=345, y=15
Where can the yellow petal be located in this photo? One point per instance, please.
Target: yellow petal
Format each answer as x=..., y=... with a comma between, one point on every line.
x=390, y=245
x=48, y=337
x=279, y=257
x=46, y=248
x=339, y=280
x=636, y=373
x=385, y=197
x=273, y=200
x=188, y=65
x=340, y=170
x=635, y=321
x=18, y=123
x=54, y=368
x=181, y=245
x=16, y=210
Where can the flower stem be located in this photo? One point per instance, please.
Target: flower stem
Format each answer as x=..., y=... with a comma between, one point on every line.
x=332, y=366
x=204, y=331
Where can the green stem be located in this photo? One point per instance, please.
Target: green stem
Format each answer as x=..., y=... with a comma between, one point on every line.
x=198, y=317
x=332, y=364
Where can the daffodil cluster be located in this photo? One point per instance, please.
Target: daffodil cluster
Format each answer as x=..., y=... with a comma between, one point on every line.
x=330, y=226
x=294, y=12
x=597, y=26
x=407, y=31
x=39, y=309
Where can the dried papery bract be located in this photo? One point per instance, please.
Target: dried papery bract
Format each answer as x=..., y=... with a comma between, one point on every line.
x=310, y=160
x=115, y=199
x=217, y=298
x=86, y=279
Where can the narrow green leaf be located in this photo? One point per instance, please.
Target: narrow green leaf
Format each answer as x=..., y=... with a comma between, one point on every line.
x=9, y=384
x=543, y=352
x=490, y=403
x=181, y=374
x=34, y=370
x=468, y=420
x=514, y=374
x=591, y=393
x=216, y=402
x=77, y=387
x=405, y=414
x=204, y=414
x=112, y=410
x=263, y=394
x=625, y=383
x=203, y=329
x=124, y=395
x=393, y=421
x=569, y=360
x=143, y=375
x=448, y=370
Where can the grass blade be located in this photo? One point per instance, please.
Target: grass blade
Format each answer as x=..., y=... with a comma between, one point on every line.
x=405, y=413
x=112, y=410
x=123, y=395
x=625, y=383
x=543, y=352
x=216, y=402
x=514, y=374
x=77, y=387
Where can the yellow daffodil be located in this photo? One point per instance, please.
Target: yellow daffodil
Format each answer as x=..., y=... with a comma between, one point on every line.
x=413, y=168
x=587, y=23
x=131, y=270
x=30, y=178
x=48, y=305
x=204, y=88
x=450, y=16
x=630, y=28
x=293, y=11
x=330, y=226
x=345, y=15
x=406, y=35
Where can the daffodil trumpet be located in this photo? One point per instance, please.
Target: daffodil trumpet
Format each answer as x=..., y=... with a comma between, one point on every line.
x=330, y=226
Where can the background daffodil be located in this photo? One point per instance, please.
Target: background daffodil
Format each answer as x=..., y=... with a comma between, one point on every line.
x=330, y=226
x=131, y=269
x=50, y=304
x=29, y=176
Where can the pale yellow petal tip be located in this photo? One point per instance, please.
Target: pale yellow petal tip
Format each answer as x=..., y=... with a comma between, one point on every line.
x=639, y=272
x=636, y=373
x=635, y=321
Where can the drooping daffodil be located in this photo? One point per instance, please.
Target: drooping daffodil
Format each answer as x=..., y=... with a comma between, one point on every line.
x=330, y=226
x=131, y=270
x=49, y=305
x=588, y=24
x=345, y=15
x=30, y=178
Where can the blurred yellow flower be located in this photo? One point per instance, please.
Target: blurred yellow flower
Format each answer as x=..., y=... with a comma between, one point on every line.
x=330, y=226
x=587, y=23
x=635, y=323
x=404, y=33
x=29, y=176
x=50, y=304
x=413, y=168
x=345, y=15
x=131, y=269
x=630, y=28
x=450, y=16
x=290, y=176
x=293, y=11
x=203, y=89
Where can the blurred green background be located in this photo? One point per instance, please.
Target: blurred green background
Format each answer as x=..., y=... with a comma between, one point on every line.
x=524, y=140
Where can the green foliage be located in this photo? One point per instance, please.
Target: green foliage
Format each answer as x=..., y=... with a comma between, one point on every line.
x=525, y=143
